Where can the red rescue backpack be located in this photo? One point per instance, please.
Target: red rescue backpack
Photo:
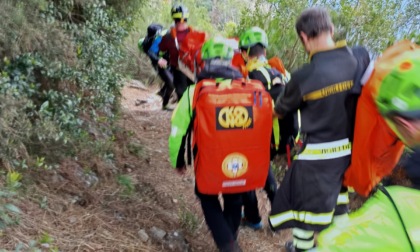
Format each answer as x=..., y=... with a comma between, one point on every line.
x=189, y=61
x=376, y=148
x=231, y=135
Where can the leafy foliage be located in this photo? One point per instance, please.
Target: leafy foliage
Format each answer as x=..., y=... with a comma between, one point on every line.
x=62, y=80
x=187, y=218
x=126, y=182
x=8, y=211
x=374, y=24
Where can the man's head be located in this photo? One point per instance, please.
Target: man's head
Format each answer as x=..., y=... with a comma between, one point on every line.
x=398, y=100
x=180, y=14
x=253, y=43
x=312, y=24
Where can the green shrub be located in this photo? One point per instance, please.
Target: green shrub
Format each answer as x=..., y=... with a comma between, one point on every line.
x=60, y=77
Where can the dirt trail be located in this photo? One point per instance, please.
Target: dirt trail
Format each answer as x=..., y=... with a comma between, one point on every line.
x=175, y=193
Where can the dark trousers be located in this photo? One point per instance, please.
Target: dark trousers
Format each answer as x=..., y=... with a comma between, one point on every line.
x=168, y=86
x=250, y=201
x=181, y=82
x=223, y=223
x=166, y=76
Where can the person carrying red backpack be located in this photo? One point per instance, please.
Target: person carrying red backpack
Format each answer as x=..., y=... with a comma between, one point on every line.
x=171, y=42
x=311, y=195
x=230, y=118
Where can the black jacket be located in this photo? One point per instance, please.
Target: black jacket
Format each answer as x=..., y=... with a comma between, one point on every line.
x=288, y=125
x=321, y=90
x=274, y=90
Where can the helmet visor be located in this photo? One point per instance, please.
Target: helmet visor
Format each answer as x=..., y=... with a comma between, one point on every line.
x=179, y=20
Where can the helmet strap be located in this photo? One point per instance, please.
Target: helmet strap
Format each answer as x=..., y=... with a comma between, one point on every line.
x=245, y=56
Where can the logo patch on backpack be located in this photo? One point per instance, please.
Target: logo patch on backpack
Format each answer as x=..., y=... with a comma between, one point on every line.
x=234, y=117
x=235, y=165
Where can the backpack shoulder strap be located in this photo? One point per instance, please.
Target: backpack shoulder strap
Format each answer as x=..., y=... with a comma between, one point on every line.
x=384, y=191
x=198, y=87
x=191, y=110
x=266, y=74
x=251, y=82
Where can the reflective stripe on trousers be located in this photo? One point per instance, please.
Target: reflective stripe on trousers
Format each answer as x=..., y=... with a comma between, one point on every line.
x=302, y=216
x=343, y=198
x=303, y=239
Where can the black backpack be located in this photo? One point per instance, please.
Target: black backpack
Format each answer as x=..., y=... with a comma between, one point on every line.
x=153, y=29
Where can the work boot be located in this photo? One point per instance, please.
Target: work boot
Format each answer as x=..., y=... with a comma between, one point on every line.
x=255, y=226
x=291, y=248
x=245, y=222
x=165, y=99
x=161, y=91
x=231, y=247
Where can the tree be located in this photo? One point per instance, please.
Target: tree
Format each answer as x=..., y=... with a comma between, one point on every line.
x=374, y=24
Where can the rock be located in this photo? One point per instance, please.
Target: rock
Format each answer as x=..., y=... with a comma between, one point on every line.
x=93, y=132
x=188, y=180
x=111, y=165
x=137, y=84
x=45, y=245
x=118, y=215
x=75, y=199
x=57, y=178
x=72, y=219
x=88, y=178
x=174, y=201
x=140, y=102
x=175, y=241
x=157, y=233
x=144, y=237
x=130, y=166
x=84, y=177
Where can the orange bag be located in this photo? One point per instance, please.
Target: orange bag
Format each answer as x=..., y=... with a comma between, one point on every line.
x=239, y=63
x=231, y=136
x=190, y=52
x=277, y=63
x=376, y=148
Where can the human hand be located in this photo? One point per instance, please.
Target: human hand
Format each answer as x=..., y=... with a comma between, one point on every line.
x=162, y=63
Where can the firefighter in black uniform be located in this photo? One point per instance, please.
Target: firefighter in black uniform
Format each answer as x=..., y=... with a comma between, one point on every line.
x=311, y=193
x=253, y=44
